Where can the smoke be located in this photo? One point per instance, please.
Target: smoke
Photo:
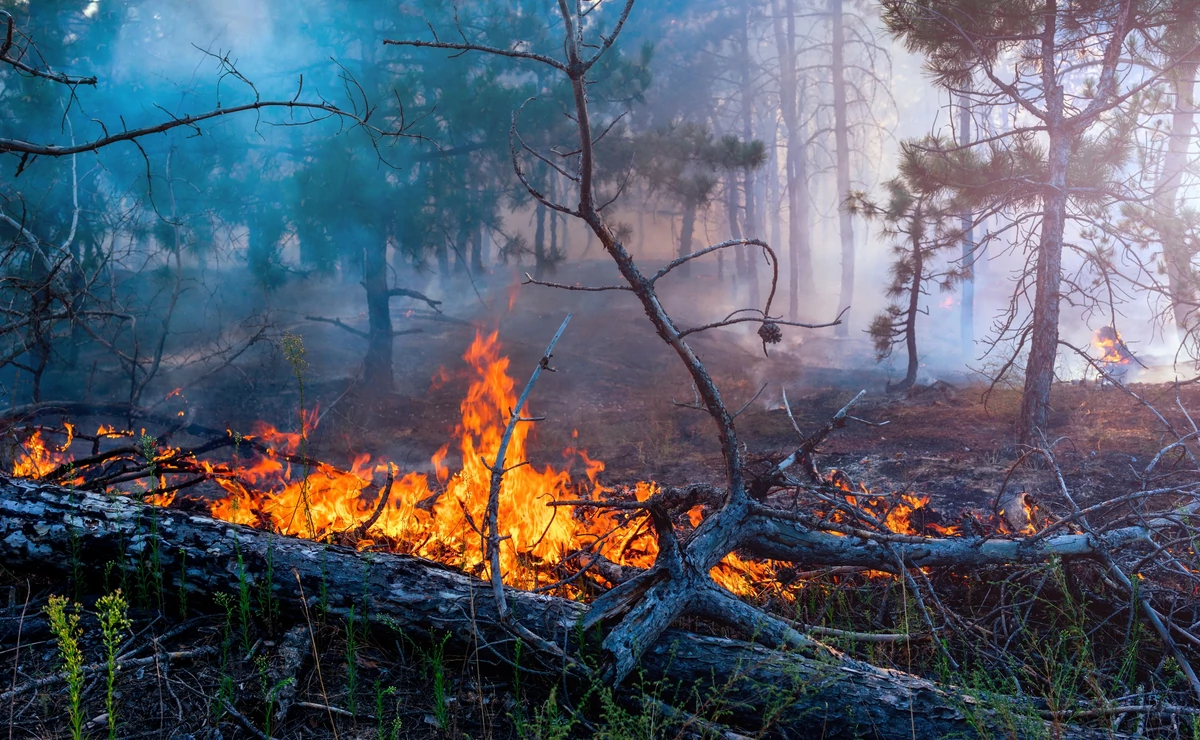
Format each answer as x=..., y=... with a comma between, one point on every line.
x=249, y=191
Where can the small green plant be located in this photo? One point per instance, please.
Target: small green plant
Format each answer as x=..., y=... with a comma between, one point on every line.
x=351, y=663
x=243, y=596
x=114, y=622
x=547, y=722
x=383, y=730
x=147, y=446
x=435, y=665
x=269, y=692
x=183, y=594
x=152, y=571
x=64, y=623
x=296, y=355
x=268, y=608
x=225, y=690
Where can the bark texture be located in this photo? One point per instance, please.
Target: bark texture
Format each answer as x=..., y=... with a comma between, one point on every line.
x=48, y=530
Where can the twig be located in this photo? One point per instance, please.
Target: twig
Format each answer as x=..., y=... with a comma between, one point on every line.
x=361, y=530
x=316, y=656
x=243, y=721
x=492, y=538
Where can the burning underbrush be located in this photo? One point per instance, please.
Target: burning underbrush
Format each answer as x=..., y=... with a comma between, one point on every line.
x=1002, y=598
x=266, y=479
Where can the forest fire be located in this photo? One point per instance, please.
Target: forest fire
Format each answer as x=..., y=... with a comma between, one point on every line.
x=1111, y=346
x=438, y=517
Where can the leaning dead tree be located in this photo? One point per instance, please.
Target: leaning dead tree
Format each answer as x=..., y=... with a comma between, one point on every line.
x=638, y=612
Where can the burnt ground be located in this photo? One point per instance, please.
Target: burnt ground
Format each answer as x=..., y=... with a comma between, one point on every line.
x=616, y=384
x=622, y=388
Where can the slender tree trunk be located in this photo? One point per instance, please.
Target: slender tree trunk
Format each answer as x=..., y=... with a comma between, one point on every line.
x=914, y=299
x=443, y=256
x=751, y=223
x=539, y=243
x=1043, y=330
x=477, y=250
x=967, y=309
x=1176, y=254
x=377, y=367
x=773, y=205
x=641, y=233
x=685, y=234
x=800, y=280
x=842, y=155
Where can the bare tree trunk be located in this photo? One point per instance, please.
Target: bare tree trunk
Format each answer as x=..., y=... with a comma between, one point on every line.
x=800, y=249
x=751, y=223
x=841, y=131
x=967, y=309
x=443, y=255
x=800, y=280
x=687, y=226
x=539, y=243
x=377, y=367
x=735, y=227
x=477, y=250
x=1176, y=253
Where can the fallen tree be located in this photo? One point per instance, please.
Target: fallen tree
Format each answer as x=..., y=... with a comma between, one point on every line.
x=46, y=529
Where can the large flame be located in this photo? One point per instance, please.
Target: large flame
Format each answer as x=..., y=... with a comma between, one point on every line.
x=440, y=517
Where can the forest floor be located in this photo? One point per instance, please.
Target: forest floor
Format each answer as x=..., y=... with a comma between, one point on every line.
x=613, y=395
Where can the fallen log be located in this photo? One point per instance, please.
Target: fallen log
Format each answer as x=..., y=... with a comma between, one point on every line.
x=48, y=530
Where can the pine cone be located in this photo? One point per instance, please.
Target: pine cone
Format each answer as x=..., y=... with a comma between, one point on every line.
x=770, y=333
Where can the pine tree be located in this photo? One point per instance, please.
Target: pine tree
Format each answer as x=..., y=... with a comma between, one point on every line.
x=1024, y=53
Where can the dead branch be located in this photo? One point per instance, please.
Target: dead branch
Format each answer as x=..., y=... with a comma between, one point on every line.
x=492, y=536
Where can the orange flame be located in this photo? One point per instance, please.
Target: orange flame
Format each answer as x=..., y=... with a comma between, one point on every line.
x=1110, y=346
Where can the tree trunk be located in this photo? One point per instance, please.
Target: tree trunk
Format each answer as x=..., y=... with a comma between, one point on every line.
x=377, y=367
x=539, y=243
x=1043, y=330
x=735, y=227
x=799, y=246
x=69, y=533
x=442, y=252
x=751, y=222
x=686, y=228
x=967, y=309
x=800, y=280
x=841, y=132
x=1176, y=254
x=477, y=250
x=914, y=299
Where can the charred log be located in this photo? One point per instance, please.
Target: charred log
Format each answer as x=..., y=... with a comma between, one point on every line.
x=47, y=529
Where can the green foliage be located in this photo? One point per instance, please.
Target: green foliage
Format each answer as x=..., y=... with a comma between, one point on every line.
x=434, y=659
x=270, y=691
x=64, y=624
x=243, y=595
x=351, y=663
x=225, y=691
x=114, y=623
